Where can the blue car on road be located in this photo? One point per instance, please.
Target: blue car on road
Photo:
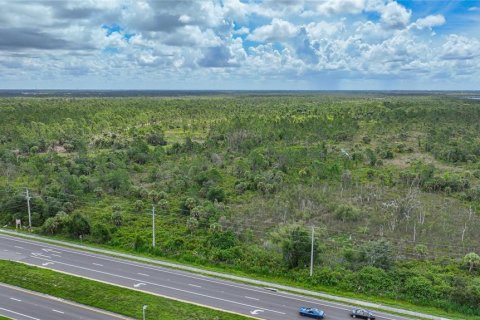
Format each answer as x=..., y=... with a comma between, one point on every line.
x=311, y=313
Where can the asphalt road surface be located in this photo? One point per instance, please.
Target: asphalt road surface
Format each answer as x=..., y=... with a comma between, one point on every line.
x=20, y=304
x=221, y=294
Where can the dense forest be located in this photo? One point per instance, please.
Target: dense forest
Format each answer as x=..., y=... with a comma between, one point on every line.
x=389, y=183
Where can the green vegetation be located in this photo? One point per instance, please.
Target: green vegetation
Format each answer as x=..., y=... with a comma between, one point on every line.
x=391, y=184
x=103, y=296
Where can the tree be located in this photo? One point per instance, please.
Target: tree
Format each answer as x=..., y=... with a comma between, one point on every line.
x=378, y=254
x=117, y=218
x=138, y=206
x=472, y=260
x=216, y=193
x=156, y=139
x=295, y=243
x=78, y=225
x=100, y=233
x=56, y=224
x=192, y=224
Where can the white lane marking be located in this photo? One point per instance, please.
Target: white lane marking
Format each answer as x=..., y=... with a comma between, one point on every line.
x=18, y=313
x=143, y=274
x=138, y=285
x=255, y=311
x=163, y=286
x=56, y=255
x=194, y=285
x=97, y=264
x=251, y=298
x=58, y=311
x=5, y=250
x=285, y=295
x=18, y=247
x=47, y=263
x=16, y=299
x=50, y=250
x=39, y=255
x=18, y=252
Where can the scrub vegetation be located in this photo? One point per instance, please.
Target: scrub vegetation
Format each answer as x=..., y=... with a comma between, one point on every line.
x=390, y=182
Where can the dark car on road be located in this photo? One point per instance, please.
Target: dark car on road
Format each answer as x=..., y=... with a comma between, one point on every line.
x=362, y=314
x=311, y=313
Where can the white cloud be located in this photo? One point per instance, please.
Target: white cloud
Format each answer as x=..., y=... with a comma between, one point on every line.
x=460, y=48
x=242, y=31
x=429, y=21
x=331, y=7
x=323, y=29
x=204, y=40
x=395, y=15
x=278, y=30
x=184, y=18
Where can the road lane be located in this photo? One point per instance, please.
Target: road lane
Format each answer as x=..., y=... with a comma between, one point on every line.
x=200, y=289
x=22, y=304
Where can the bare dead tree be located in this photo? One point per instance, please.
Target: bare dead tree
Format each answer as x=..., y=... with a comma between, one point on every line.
x=465, y=226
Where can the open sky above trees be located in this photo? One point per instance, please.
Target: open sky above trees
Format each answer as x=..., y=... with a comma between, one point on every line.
x=233, y=44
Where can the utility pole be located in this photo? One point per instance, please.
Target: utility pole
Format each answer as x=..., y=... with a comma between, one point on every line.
x=27, y=196
x=311, y=252
x=153, y=226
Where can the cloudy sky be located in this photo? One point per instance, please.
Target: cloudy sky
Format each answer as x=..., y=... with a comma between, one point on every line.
x=236, y=44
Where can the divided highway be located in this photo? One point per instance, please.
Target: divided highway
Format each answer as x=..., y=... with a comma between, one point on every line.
x=199, y=289
x=21, y=304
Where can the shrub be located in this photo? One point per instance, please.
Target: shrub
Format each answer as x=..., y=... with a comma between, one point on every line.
x=78, y=225
x=100, y=233
x=419, y=288
x=216, y=193
x=346, y=213
x=138, y=206
x=472, y=260
x=377, y=254
x=117, y=218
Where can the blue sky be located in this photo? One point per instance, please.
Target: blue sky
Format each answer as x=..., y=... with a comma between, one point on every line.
x=234, y=44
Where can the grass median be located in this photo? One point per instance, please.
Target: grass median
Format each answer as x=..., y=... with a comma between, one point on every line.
x=104, y=296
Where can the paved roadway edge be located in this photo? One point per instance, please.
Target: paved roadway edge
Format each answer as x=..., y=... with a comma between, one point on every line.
x=120, y=286
x=61, y=300
x=261, y=283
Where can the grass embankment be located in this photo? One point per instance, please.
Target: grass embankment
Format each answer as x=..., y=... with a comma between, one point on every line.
x=104, y=296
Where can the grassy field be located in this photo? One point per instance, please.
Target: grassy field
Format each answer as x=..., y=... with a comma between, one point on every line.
x=108, y=297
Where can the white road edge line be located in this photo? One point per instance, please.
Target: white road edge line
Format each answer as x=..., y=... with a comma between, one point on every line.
x=18, y=313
